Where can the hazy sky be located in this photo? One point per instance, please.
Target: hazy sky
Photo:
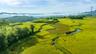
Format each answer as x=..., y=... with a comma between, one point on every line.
x=47, y=6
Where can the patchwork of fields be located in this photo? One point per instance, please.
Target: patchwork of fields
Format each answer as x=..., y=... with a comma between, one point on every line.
x=68, y=36
x=82, y=42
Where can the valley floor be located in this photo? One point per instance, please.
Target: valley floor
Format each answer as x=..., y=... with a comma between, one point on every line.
x=69, y=36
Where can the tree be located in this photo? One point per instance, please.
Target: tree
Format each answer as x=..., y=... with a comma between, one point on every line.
x=32, y=29
x=2, y=42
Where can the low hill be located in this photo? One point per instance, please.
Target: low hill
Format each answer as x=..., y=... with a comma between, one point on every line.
x=18, y=18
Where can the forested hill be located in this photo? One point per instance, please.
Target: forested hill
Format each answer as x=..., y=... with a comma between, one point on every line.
x=18, y=18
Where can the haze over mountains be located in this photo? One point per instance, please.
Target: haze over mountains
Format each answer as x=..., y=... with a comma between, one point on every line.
x=22, y=17
x=8, y=15
x=5, y=14
x=93, y=13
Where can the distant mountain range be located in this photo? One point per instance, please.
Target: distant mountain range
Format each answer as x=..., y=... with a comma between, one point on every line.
x=21, y=13
x=21, y=17
x=5, y=14
x=90, y=13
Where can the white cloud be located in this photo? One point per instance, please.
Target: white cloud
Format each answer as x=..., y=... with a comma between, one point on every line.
x=51, y=6
x=10, y=2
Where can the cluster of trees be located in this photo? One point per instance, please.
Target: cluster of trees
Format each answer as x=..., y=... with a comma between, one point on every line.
x=70, y=16
x=76, y=17
x=21, y=33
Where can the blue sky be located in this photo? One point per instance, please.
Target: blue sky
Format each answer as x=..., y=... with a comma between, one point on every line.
x=47, y=6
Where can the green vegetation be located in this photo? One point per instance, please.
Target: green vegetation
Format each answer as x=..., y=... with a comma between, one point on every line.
x=49, y=36
x=76, y=17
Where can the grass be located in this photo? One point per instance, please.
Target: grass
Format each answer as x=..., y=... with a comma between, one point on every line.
x=42, y=49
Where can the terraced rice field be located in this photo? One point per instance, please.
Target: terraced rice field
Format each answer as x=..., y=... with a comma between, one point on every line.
x=82, y=42
x=53, y=38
